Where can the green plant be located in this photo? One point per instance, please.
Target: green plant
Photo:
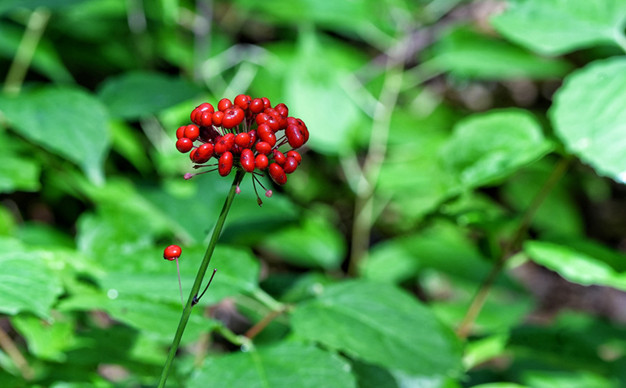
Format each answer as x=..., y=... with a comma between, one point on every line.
x=456, y=218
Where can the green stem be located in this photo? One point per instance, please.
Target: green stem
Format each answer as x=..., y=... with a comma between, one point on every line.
x=26, y=50
x=199, y=277
x=513, y=244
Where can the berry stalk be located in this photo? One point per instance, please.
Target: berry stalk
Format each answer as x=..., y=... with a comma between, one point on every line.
x=199, y=277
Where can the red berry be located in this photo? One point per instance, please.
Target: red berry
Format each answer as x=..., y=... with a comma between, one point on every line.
x=266, y=102
x=184, y=145
x=242, y=101
x=224, y=104
x=192, y=132
x=290, y=165
x=247, y=160
x=253, y=137
x=261, y=161
x=296, y=135
x=217, y=118
x=242, y=139
x=277, y=174
x=172, y=252
x=180, y=132
x=279, y=157
x=203, y=153
x=261, y=118
x=224, y=143
x=295, y=155
x=266, y=134
x=256, y=105
x=225, y=163
x=232, y=117
x=263, y=147
x=204, y=119
x=197, y=113
x=282, y=109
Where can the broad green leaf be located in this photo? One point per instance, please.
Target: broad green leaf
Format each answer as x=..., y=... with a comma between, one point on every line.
x=380, y=324
x=157, y=320
x=488, y=147
x=26, y=282
x=137, y=94
x=313, y=243
x=68, y=122
x=442, y=246
x=579, y=379
x=484, y=349
x=284, y=365
x=464, y=52
x=557, y=27
x=18, y=173
x=574, y=265
x=48, y=340
x=588, y=116
x=150, y=277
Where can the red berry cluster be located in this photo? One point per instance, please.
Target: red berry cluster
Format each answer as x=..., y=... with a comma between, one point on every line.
x=245, y=133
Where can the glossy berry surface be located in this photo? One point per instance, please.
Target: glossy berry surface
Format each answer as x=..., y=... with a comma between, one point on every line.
x=247, y=134
x=172, y=252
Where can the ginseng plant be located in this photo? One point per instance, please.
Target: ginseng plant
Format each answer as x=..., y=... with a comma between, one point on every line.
x=244, y=136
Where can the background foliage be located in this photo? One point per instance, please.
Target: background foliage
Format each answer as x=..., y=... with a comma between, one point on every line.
x=456, y=146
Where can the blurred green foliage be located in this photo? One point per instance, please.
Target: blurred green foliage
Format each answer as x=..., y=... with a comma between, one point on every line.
x=450, y=140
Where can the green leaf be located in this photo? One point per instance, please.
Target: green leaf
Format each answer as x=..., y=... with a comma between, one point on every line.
x=68, y=122
x=380, y=324
x=48, y=340
x=314, y=243
x=18, y=173
x=488, y=147
x=466, y=53
x=9, y=5
x=557, y=27
x=588, y=116
x=574, y=265
x=284, y=365
x=152, y=278
x=581, y=379
x=137, y=94
x=26, y=282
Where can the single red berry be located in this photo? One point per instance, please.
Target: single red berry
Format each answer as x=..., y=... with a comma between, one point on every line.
x=295, y=155
x=172, y=252
x=253, y=137
x=261, y=161
x=224, y=143
x=296, y=135
x=263, y=147
x=203, y=153
x=204, y=119
x=279, y=157
x=242, y=139
x=184, y=145
x=247, y=160
x=266, y=134
x=274, y=121
x=233, y=116
x=225, y=164
x=217, y=118
x=242, y=101
x=192, y=132
x=180, y=132
x=256, y=105
x=282, y=109
x=224, y=104
x=261, y=118
x=290, y=165
x=277, y=174
x=266, y=102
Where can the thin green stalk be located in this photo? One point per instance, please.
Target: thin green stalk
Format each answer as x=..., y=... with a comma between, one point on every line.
x=26, y=50
x=483, y=292
x=199, y=277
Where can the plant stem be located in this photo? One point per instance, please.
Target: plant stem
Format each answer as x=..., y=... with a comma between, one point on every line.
x=199, y=277
x=26, y=50
x=509, y=249
x=14, y=354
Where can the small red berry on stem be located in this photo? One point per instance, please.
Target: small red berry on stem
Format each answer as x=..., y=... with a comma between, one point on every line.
x=171, y=253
